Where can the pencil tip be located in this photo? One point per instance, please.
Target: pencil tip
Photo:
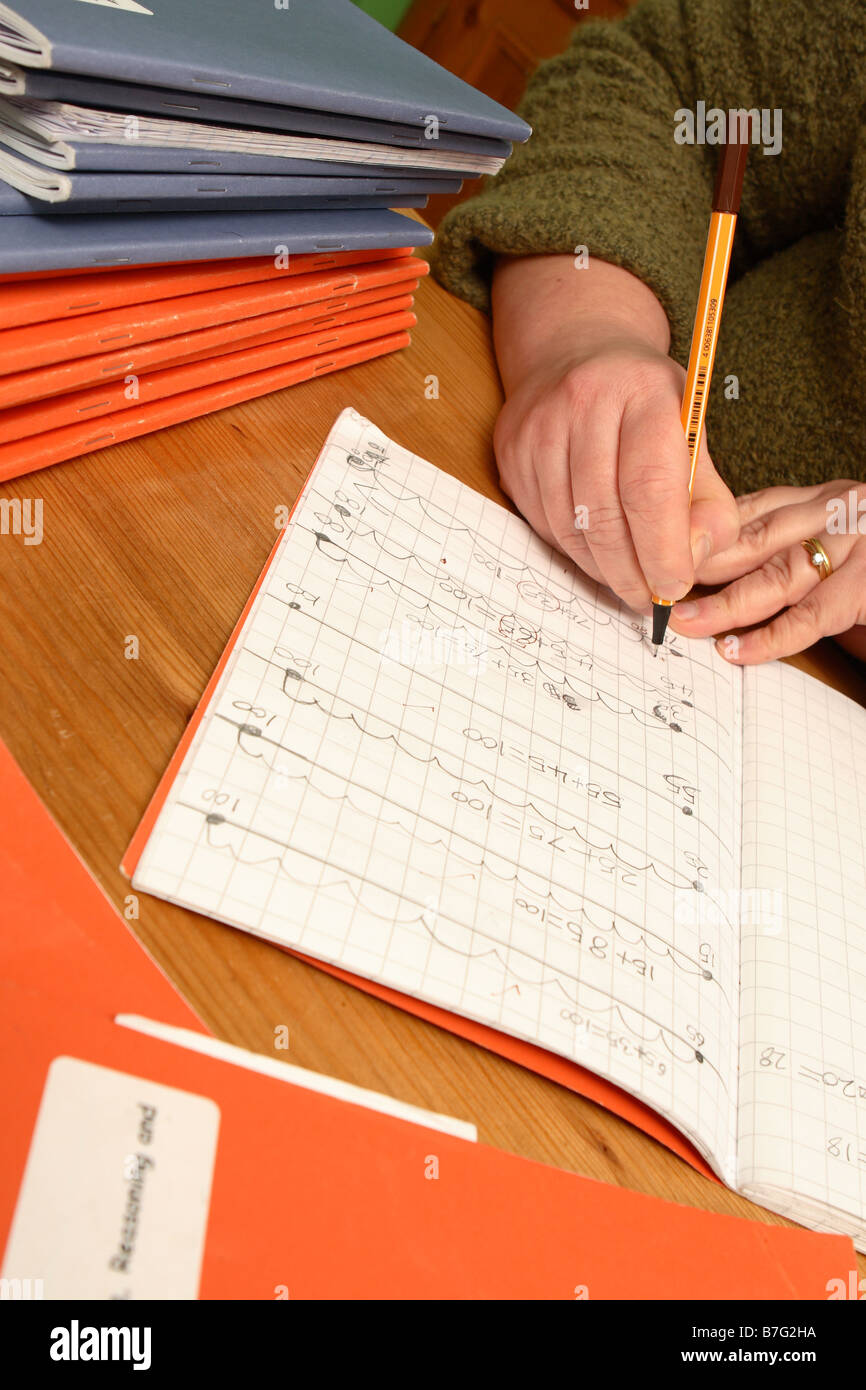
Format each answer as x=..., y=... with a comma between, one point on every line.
x=661, y=613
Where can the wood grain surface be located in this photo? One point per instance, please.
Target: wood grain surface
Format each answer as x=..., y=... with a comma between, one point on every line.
x=163, y=539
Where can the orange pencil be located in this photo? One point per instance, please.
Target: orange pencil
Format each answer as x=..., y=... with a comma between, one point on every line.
x=717, y=259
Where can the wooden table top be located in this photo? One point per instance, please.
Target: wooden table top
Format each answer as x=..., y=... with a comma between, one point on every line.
x=163, y=539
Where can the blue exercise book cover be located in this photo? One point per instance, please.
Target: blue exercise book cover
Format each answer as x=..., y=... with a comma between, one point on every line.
x=327, y=55
x=36, y=243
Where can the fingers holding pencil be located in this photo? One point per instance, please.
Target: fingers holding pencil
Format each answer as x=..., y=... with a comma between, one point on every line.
x=717, y=259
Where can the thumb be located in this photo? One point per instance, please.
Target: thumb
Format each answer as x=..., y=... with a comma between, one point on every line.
x=714, y=517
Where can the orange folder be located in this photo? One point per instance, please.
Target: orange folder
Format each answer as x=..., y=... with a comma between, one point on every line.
x=56, y=924
x=54, y=446
x=66, y=294
x=204, y=369
x=19, y=388
x=309, y=1196
x=37, y=345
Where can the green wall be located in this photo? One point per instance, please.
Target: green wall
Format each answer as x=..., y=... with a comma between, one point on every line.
x=388, y=12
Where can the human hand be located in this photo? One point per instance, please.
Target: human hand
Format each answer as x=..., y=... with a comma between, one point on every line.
x=591, y=450
x=771, y=584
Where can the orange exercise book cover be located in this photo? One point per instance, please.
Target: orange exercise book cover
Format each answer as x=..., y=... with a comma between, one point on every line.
x=256, y=1187
x=22, y=422
x=548, y=1064
x=377, y=304
x=38, y=345
x=33, y=298
x=21, y=388
x=55, y=446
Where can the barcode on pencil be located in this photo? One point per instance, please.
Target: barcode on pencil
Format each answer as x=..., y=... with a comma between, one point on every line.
x=695, y=419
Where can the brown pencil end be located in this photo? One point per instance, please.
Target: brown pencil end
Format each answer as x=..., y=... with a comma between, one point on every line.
x=661, y=614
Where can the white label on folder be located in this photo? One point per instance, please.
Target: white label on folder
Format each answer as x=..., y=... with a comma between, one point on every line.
x=116, y=1191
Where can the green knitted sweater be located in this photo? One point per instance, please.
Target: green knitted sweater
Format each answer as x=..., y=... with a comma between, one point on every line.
x=603, y=170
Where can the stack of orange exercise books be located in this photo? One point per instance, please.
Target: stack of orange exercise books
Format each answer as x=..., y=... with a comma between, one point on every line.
x=91, y=359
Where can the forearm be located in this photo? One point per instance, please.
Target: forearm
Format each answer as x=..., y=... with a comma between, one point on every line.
x=603, y=167
x=548, y=315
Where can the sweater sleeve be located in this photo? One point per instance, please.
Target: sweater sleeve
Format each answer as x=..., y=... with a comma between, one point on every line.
x=603, y=170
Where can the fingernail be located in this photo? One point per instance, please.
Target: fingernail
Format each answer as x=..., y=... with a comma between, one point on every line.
x=670, y=589
x=723, y=647
x=686, y=611
x=701, y=547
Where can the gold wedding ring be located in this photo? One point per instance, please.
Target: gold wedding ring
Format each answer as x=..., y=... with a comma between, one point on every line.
x=818, y=555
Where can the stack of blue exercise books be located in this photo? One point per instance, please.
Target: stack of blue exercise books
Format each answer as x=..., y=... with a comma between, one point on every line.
x=178, y=130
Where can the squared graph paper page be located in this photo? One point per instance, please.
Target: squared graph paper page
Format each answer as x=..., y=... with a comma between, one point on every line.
x=438, y=758
x=802, y=1136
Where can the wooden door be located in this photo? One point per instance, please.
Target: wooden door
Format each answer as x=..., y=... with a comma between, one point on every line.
x=495, y=45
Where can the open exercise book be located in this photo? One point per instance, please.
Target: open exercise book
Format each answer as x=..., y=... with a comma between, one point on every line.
x=439, y=757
